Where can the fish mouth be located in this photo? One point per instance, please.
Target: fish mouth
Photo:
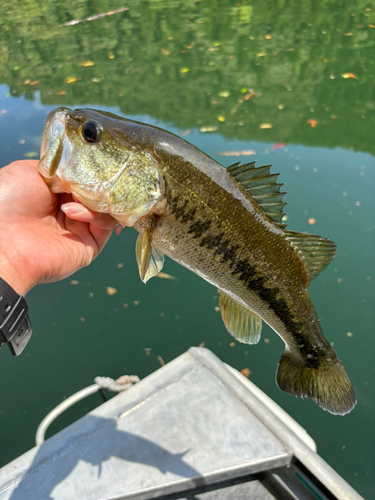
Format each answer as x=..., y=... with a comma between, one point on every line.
x=53, y=149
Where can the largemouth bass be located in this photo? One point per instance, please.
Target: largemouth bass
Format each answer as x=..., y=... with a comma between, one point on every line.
x=224, y=224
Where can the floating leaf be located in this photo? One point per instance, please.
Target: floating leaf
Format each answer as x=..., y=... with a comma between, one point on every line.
x=166, y=276
x=86, y=64
x=247, y=152
x=349, y=75
x=208, y=129
x=268, y=37
x=265, y=125
x=111, y=290
x=261, y=54
x=74, y=282
x=184, y=70
x=111, y=55
x=62, y=92
x=221, y=118
x=246, y=372
x=71, y=79
x=279, y=145
x=312, y=122
x=225, y=93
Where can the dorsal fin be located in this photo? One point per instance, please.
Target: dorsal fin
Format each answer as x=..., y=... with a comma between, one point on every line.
x=315, y=251
x=262, y=186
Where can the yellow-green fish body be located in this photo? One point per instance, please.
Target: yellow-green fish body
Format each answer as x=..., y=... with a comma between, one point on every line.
x=223, y=224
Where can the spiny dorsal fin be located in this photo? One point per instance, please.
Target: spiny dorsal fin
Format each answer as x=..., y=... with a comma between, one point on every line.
x=244, y=325
x=316, y=252
x=150, y=260
x=262, y=186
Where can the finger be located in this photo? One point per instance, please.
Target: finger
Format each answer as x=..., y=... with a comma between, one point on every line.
x=24, y=163
x=77, y=211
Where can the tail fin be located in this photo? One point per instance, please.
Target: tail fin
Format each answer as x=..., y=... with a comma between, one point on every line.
x=328, y=385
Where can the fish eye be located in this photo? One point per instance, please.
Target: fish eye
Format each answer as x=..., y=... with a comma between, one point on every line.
x=91, y=132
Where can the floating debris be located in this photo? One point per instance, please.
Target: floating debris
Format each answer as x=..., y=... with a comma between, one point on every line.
x=246, y=372
x=166, y=276
x=267, y=341
x=120, y=265
x=31, y=154
x=111, y=290
x=217, y=308
x=279, y=145
x=311, y=221
x=95, y=80
x=118, y=230
x=232, y=344
x=221, y=118
x=261, y=54
x=91, y=295
x=136, y=302
x=62, y=92
x=21, y=141
x=161, y=360
x=86, y=64
x=82, y=320
x=94, y=18
x=312, y=122
x=202, y=344
x=265, y=125
x=349, y=334
x=71, y=79
x=349, y=75
x=111, y=55
x=162, y=315
x=74, y=282
x=184, y=70
x=247, y=152
x=208, y=129
x=225, y=93
x=125, y=305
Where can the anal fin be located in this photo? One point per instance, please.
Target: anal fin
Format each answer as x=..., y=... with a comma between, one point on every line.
x=150, y=259
x=243, y=324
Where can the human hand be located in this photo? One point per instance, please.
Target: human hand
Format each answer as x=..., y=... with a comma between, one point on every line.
x=44, y=237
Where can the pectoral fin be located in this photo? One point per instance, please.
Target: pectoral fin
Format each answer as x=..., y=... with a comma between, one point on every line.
x=244, y=325
x=150, y=260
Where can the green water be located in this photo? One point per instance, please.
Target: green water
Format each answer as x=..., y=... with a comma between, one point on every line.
x=188, y=67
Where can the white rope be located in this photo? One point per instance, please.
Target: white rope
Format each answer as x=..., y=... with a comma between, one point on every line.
x=119, y=385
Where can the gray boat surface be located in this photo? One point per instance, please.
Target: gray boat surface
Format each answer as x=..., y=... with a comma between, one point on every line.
x=194, y=429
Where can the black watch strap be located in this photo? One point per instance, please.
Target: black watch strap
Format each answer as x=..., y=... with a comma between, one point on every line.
x=15, y=326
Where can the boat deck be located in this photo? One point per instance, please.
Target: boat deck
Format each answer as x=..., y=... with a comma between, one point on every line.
x=194, y=429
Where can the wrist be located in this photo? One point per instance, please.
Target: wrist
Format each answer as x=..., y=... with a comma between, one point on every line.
x=13, y=276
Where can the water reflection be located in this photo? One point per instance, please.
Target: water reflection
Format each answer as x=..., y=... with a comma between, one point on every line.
x=212, y=64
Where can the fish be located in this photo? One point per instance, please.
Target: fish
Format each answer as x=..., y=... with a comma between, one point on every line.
x=224, y=224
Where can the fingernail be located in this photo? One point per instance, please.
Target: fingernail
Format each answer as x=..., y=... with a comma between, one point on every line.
x=72, y=208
